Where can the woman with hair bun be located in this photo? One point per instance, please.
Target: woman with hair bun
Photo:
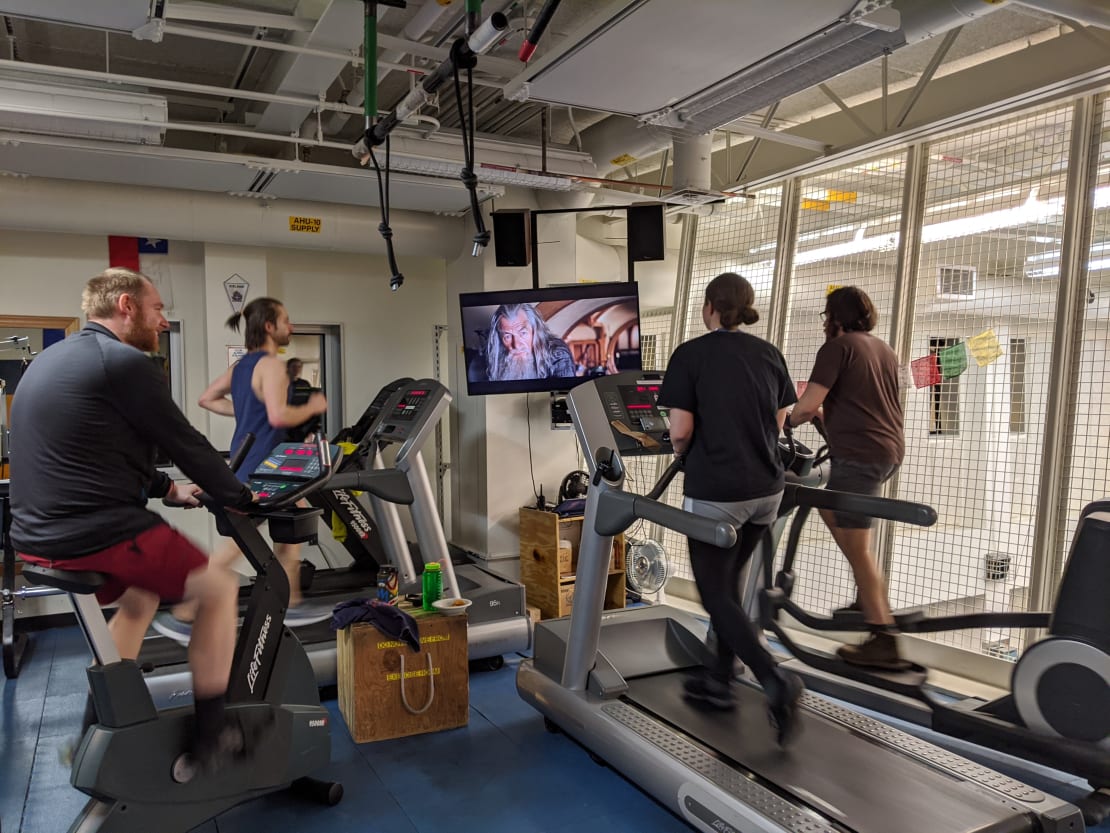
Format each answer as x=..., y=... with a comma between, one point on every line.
x=728, y=392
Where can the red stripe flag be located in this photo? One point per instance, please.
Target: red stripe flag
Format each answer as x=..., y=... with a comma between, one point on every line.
x=124, y=251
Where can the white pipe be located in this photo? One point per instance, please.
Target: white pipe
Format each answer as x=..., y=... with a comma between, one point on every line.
x=693, y=159
x=54, y=205
x=1089, y=12
x=166, y=84
x=241, y=40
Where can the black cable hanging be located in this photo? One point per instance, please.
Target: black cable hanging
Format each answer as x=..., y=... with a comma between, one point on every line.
x=396, y=278
x=467, y=60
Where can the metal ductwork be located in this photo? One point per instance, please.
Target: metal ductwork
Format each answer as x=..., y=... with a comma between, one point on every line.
x=1090, y=12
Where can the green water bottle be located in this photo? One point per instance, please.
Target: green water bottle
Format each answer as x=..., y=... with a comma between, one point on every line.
x=433, y=584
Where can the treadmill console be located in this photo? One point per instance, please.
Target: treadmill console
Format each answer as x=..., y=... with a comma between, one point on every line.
x=287, y=469
x=640, y=425
x=370, y=417
x=413, y=409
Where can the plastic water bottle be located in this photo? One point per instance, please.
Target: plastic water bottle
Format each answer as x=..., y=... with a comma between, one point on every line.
x=432, y=584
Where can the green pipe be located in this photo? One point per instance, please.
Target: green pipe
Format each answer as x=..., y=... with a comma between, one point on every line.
x=370, y=57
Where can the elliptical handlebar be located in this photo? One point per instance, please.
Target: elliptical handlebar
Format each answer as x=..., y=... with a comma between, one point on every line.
x=890, y=509
x=618, y=510
x=677, y=465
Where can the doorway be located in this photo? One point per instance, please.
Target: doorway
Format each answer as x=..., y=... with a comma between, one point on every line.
x=320, y=350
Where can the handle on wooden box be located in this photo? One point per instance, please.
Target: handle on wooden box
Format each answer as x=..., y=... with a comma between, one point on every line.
x=431, y=687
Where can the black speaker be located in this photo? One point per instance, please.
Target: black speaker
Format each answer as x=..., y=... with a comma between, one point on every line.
x=512, y=237
x=645, y=232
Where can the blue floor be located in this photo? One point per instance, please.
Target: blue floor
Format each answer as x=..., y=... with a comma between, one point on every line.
x=503, y=772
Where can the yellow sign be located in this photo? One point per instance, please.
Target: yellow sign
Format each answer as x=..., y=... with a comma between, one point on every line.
x=306, y=224
x=815, y=205
x=840, y=196
x=622, y=160
x=984, y=347
x=831, y=288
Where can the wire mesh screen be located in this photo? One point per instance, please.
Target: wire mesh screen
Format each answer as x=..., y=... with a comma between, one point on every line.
x=1088, y=476
x=982, y=342
x=848, y=221
x=655, y=350
x=740, y=237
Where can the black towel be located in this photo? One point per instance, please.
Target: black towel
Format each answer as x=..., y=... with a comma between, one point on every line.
x=390, y=620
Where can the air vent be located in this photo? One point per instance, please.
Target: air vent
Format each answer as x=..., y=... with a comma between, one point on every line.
x=956, y=282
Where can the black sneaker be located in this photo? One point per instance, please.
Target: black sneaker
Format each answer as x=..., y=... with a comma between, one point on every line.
x=782, y=709
x=880, y=650
x=706, y=690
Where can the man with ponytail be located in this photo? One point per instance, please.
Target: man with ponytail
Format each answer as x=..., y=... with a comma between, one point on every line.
x=855, y=382
x=255, y=391
x=728, y=392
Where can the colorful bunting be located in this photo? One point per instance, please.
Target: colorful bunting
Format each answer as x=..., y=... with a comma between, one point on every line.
x=985, y=347
x=926, y=371
x=953, y=360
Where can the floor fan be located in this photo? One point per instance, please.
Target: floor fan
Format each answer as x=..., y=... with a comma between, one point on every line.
x=647, y=570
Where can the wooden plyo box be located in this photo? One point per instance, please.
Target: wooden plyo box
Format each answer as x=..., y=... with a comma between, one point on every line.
x=370, y=681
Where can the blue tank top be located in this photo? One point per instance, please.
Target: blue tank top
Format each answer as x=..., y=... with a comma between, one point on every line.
x=250, y=417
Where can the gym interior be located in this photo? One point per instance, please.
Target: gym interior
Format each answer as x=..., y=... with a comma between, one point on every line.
x=949, y=157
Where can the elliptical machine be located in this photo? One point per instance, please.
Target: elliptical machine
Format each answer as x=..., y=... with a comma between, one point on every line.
x=1058, y=710
x=133, y=762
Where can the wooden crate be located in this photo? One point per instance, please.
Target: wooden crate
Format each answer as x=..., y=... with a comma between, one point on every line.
x=548, y=572
x=369, y=678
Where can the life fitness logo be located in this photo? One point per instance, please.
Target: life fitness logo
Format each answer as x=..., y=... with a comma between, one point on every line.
x=259, y=647
x=358, y=519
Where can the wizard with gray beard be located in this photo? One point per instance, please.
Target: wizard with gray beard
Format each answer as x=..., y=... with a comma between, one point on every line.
x=520, y=346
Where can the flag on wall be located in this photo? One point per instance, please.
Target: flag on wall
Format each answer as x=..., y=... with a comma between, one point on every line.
x=985, y=347
x=926, y=371
x=953, y=360
x=124, y=251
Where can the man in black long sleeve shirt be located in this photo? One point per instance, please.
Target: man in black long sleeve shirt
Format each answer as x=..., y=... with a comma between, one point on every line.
x=86, y=420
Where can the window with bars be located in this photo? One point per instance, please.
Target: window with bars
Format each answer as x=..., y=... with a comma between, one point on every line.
x=946, y=396
x=1017, y=385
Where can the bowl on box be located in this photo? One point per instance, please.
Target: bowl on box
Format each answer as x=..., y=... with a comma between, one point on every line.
x=451, y=607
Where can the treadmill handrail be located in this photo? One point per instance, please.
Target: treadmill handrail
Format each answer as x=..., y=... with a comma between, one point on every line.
x=890, y=509
x=618, y=510
x=390, y=485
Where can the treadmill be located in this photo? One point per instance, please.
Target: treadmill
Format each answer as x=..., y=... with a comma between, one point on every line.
x=498, y=620
x=613, y=682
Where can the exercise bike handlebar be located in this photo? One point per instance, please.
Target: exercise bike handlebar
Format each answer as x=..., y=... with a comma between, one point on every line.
x=391, y=485
x=889, y=509
x=619, y=510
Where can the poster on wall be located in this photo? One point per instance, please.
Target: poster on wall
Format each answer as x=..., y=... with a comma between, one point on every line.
x=237, y=289
x=234, y=353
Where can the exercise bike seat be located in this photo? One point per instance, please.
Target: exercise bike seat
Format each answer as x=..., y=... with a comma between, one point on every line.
x=69, y=581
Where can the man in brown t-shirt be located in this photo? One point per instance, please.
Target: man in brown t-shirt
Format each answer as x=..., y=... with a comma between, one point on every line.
x=855, y=382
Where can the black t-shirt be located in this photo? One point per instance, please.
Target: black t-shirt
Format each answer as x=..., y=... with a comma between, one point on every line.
x=735, y=384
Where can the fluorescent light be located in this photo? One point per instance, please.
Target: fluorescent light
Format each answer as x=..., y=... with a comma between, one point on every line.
x=859, y=245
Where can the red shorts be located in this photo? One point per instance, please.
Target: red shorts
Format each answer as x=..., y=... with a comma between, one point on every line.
x=158, y=560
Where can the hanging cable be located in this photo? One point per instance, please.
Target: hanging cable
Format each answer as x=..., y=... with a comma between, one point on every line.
x=396, y=278
x=466, y=125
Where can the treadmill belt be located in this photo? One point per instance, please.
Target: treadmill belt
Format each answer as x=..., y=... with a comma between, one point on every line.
x=836, y=770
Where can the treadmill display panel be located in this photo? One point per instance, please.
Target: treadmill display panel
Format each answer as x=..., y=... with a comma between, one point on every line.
x=409, y=405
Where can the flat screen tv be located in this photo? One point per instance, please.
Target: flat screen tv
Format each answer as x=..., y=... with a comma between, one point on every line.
x=549, y=339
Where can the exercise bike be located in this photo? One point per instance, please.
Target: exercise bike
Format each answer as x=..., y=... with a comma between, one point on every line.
x=134, y=763
x=1058, y=710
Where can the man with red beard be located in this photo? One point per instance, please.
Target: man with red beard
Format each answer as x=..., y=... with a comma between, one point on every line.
x=86, y=419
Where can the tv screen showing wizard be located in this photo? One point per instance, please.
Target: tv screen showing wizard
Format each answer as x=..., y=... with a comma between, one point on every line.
x=549, y=339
